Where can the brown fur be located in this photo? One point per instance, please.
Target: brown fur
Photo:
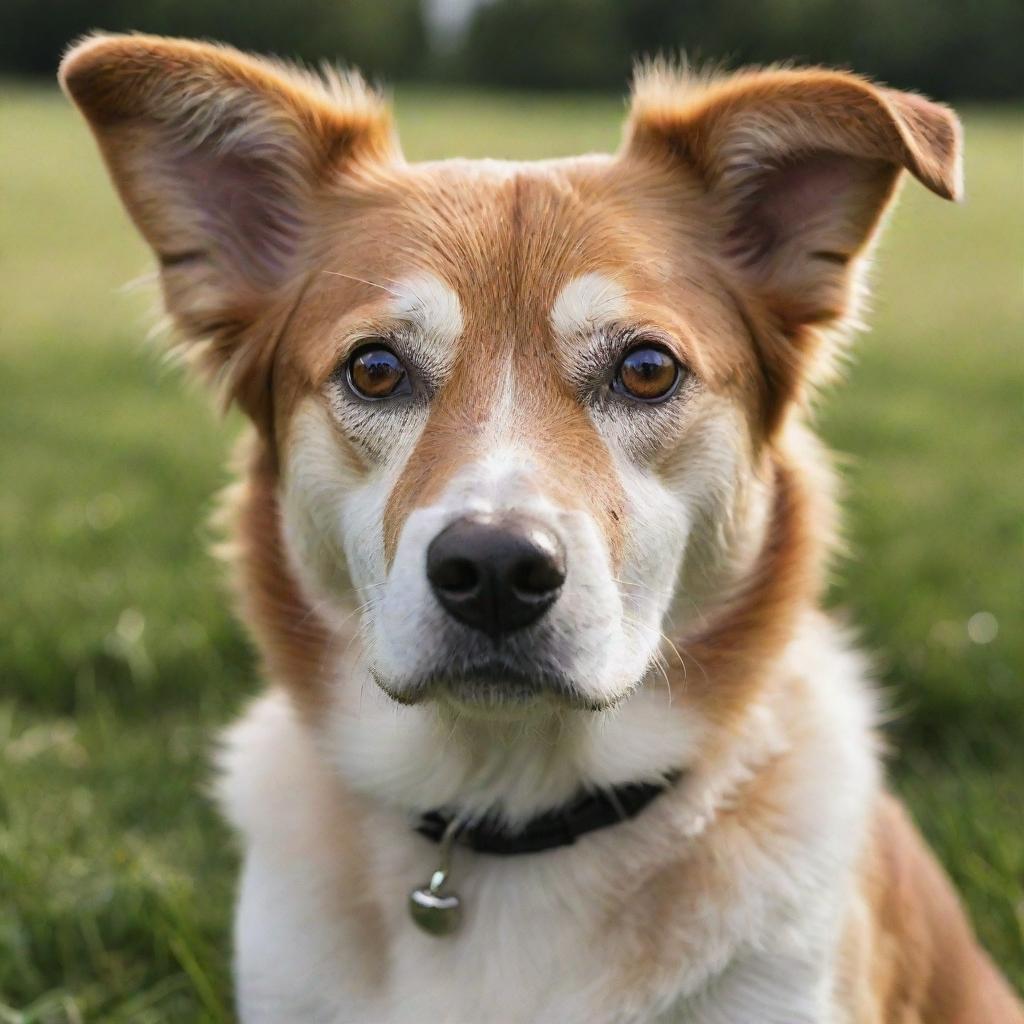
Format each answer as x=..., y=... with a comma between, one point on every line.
x=725, y=665
x=910, y=956
x=696, y=233
x=293, y=641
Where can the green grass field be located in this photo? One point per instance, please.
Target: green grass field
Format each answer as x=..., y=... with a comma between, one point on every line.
x=119, y=660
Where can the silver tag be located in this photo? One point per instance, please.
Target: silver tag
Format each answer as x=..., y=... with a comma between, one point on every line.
x=435, y=911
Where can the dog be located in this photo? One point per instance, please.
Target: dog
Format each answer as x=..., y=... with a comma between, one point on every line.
x=532, y=534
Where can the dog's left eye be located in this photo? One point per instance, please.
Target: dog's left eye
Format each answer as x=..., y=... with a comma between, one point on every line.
x=647, y=374
x=375, y=372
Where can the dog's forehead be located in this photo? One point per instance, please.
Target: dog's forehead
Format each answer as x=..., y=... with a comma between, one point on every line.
x=507, y=238
x=527, y=258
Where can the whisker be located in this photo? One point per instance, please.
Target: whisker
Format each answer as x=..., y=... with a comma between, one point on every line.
x=675, y=651
x=628, y=583
x=657, y=654
x=659, y=664
x=361, y=280
x=699, y=664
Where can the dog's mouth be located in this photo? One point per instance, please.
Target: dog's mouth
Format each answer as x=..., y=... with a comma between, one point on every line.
x=492, y=685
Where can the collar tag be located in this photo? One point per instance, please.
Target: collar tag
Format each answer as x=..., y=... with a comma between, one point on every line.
x=435, y=911
x=440, y=913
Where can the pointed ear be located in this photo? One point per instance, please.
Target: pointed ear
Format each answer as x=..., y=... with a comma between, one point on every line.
x=799, y=167
x=219, y=158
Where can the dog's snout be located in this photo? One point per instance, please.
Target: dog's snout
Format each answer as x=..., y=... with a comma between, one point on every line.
x=496, y=573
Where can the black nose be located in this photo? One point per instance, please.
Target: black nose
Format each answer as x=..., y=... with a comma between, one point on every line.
x=496, y=573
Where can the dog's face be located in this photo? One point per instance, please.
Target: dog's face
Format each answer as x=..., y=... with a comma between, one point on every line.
x=520, y=411
x=509, y=441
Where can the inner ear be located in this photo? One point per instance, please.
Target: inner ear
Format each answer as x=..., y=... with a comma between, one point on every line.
x=800, y=166
x=245, y=217
x=799, y=199
x=797, y=225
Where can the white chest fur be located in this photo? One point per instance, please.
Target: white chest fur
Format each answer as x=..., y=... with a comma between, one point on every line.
x=682, y=915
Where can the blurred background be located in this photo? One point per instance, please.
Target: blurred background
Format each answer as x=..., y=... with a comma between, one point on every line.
x=119, y=658
x=948, y=48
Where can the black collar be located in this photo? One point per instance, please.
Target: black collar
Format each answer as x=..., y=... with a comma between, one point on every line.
x=561, y=826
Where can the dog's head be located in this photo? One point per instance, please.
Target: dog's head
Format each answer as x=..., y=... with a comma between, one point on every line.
x=519, y=410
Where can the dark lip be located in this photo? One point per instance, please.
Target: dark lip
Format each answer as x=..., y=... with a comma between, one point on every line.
x=493, y=685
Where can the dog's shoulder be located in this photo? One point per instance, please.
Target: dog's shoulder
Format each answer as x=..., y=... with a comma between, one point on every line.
x=910, y=954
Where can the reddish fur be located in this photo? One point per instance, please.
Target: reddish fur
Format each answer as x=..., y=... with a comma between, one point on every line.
x=725, y=665
x=658, y=219
x=915, y=960
x=293, y=640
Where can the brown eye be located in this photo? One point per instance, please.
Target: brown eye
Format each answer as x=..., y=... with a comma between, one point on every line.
x=376, y=372
x=647, y=374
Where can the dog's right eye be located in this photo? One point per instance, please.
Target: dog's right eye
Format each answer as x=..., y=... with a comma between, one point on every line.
x=375, y=372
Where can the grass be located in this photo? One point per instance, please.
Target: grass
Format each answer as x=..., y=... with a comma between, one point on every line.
x=119, y=659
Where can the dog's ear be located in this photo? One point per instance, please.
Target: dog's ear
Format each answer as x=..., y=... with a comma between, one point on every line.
x=219, y=158
x=799, y=167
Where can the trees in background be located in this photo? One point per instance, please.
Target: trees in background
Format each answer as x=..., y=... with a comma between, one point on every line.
x=950, y=48
x=387, y=37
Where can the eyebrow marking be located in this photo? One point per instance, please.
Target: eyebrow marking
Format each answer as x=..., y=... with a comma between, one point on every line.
x=587, y=303
x=430, y=305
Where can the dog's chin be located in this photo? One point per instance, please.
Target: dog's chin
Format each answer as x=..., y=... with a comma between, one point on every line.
x=497, y=691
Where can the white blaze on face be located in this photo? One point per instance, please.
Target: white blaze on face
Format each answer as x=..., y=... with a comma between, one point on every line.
x=588, y=636
x=585, y=636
